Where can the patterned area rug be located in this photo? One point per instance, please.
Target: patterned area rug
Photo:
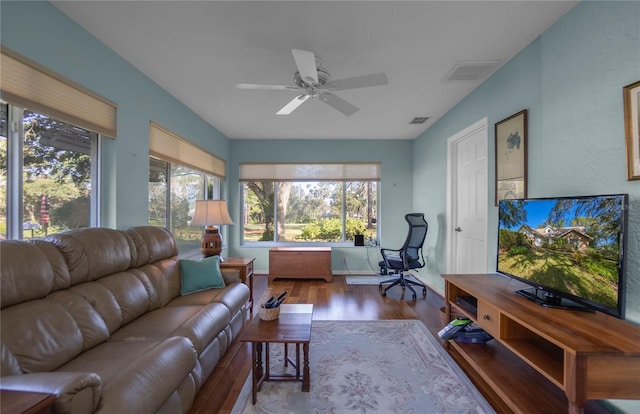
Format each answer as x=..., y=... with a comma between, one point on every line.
x=369, y=367
x=373, y=279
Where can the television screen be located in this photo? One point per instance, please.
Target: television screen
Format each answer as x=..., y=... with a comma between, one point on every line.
x=569, y=249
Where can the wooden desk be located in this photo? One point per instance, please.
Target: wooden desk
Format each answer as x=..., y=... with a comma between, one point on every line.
x=300, y=263
x=245, y=266
x=25, y=402
x=293, y=326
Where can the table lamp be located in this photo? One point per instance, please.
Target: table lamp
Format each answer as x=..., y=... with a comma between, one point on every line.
x=210, y=213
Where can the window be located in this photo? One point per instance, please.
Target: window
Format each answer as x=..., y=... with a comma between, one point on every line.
x=179, y=174
x=49, y=143
x=331, y=210
x=173, y=191
x=48, y=175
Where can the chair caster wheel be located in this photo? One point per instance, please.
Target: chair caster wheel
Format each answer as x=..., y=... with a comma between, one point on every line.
x=415, y=298
x=384, y=294
x=380, y=287
x=424, y=293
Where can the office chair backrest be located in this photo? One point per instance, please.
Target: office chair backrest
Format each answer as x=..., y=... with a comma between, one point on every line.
x=412, y=248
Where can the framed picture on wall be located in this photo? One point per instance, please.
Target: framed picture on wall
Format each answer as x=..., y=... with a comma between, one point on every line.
x=511, y=157
x=632, y=129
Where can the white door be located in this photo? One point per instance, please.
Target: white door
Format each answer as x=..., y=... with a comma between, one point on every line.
x=467, y=188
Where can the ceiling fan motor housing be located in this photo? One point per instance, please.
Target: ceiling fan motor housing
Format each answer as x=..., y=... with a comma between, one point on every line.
x=323, y=77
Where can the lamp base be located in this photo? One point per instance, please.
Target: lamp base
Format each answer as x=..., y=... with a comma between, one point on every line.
x=211, y=243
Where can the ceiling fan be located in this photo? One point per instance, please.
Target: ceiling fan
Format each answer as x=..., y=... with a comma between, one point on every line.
x=312, y=81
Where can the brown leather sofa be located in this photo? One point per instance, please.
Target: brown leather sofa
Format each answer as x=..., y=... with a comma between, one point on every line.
x=95, y=317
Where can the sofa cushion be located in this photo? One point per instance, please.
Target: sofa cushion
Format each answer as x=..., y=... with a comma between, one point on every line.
x=200, y=324
x=41, y=334
x=152, y=243
x=91, y=253
x=234, y=297
x=26, y=273
x=137, y=376
x=201, y=274
x=164, y=276
x=118, y=298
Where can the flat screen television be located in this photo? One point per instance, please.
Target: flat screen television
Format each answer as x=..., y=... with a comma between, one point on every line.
x=571, y=250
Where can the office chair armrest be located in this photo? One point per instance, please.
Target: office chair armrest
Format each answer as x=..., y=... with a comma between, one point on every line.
x=396, y=253
x=383, y=251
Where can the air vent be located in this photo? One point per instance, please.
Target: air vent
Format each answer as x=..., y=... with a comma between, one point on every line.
x=470, y=71
x=419, y=120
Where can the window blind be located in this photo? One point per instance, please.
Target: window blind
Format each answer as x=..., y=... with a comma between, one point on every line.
x=171, y=147
x=27, y=84
x=310, y=172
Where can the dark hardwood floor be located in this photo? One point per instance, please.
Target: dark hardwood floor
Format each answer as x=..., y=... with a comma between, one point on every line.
x=332, y=301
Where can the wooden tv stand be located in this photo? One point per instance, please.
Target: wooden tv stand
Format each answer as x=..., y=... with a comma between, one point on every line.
x=542, y=359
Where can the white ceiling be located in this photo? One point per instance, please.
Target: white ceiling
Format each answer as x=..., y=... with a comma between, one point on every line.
x=199, y=50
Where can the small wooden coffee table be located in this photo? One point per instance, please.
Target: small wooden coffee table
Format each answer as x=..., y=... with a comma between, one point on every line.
x=293, y=326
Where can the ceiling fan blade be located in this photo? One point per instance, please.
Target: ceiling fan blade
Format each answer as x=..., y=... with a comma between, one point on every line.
x=365, y=81
x=338, y=103
x=306, y=63
x=295, y=103
x=268, y=87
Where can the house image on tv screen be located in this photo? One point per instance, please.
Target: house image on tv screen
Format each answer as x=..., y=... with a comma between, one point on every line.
x=570, y=236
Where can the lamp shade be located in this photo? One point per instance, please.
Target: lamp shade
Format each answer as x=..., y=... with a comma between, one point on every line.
x=211, y=213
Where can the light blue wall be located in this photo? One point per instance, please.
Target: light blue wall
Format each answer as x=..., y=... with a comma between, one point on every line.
x=40, y=32
x=395, y=198
x=570, y=79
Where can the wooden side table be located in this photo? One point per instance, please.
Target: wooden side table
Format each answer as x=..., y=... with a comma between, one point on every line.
x=293, y=326
x=245, y=266
x=26, y=402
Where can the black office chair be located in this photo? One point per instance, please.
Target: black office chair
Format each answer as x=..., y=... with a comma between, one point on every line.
x=408, y=257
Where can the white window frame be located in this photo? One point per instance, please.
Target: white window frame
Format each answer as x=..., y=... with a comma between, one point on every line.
x=15, y=167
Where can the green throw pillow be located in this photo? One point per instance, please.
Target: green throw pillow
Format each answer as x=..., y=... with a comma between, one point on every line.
x=200, y=275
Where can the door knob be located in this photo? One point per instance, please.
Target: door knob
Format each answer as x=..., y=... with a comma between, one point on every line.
x=458, y=229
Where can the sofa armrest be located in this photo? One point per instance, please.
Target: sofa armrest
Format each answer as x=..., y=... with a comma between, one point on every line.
x=230, y=276
x=77, y=392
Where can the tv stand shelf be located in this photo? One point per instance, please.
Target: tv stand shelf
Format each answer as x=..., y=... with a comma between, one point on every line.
x=543, y=359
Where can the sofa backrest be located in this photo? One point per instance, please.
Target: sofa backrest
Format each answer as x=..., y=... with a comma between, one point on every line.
x=67, y=293
x=158, y=259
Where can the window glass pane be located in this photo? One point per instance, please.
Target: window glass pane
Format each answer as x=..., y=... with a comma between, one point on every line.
x=158, y=192
x=361, y=213
x=316, y=215
x=56, y=176
x=187, y=186
x=258, y=211
x=4, y=114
